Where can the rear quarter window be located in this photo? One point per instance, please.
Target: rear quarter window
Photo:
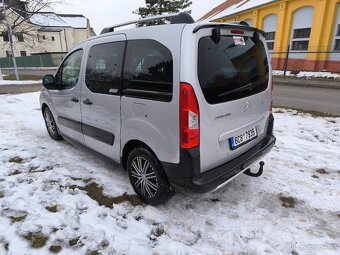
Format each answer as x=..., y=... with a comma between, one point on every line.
x=231, y=70
x=148, y=71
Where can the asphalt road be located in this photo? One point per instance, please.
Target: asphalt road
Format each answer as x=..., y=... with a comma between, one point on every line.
x=308, y=98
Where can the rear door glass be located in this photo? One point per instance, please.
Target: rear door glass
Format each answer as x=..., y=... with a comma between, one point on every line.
x=235, y=68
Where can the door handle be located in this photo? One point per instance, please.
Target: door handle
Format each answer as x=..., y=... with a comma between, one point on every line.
x=87, y=101
x=73, y=99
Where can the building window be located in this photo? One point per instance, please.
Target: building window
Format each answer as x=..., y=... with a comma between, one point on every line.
x=338, y=33
x=302, y=33
x=270, y=38
x=8, y=53
x=300, y=45
x=20, y=37
x=23, y=53
x=337, y=44
x=301, y=39
x=52, y=38
x=270, y=45
x=5, y=36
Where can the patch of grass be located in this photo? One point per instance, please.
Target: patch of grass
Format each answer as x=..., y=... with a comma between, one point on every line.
x=6, y=246
x=338, y=215
x=138, y=218
x=288, y=202
x=16, y=160
x=104, y=244
x=1, y=194
x=16, y=172
x=55, y=248
x=18, y=219
x=33, y=168
x=315, y=176
x=74, y=241
x=95, y=192
x=321, y=171
x=94, y=252
x=52, y=209
x=11, y=77
x=37, y=239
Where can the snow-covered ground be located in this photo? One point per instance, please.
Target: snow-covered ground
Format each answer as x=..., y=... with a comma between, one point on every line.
x=309, y=75
x=9, y=82
x=48, y=193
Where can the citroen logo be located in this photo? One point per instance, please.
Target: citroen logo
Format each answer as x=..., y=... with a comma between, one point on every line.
x=248, y=106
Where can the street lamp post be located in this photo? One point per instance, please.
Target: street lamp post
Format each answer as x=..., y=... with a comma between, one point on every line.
x=9, y=30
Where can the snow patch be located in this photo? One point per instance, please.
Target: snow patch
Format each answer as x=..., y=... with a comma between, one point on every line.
x=285, y=211
x=309, y=75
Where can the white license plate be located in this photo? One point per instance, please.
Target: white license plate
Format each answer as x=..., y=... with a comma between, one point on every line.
x=243, y=138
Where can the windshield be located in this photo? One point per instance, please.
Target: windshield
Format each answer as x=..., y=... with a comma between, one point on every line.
x=235, y=68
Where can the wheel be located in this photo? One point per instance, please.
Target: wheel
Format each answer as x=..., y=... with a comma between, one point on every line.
x=147, y=177
x=51, y=125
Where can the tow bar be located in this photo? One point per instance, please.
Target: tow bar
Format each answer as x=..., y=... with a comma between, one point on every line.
x=258, y=174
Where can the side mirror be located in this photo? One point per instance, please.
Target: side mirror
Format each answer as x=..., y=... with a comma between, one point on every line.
x=49, y=82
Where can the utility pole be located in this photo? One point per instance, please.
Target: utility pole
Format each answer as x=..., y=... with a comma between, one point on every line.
x=9, y=32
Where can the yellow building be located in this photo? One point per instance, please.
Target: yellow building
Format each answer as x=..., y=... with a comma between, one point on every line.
x=310, y=28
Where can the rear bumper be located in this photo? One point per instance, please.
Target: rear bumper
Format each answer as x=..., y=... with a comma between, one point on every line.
x=186, y=175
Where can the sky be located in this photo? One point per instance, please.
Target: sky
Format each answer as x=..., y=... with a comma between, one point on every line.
x=103, y=13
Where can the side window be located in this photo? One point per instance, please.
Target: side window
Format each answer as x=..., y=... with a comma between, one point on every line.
x=68, y=74
x=104, y=67
x=148, y=70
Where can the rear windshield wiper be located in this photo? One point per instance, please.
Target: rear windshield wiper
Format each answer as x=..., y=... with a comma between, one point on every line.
x=249, y=86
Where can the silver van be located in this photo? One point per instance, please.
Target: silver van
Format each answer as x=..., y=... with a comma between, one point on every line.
x=182, y=106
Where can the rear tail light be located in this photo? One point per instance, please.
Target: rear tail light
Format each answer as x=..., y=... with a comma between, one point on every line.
x=189, y=117
x=272, y=94
x=238, y=32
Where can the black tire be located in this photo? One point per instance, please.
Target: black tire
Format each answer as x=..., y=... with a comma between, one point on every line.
x=51, y=125
x=147, y=177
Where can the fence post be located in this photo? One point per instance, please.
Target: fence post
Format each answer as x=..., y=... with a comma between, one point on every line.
x=286, y=61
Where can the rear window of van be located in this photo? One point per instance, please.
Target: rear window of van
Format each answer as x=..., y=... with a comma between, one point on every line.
x=235, y=68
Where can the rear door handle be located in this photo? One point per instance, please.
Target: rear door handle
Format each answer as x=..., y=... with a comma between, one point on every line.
x=73, y=99
x=87, y=101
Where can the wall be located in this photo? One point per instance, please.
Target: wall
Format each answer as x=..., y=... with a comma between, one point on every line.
x=321, y=38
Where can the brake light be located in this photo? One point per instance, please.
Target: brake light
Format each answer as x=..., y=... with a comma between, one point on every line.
x=189, y=117
x=238, y=32
x=272, y=94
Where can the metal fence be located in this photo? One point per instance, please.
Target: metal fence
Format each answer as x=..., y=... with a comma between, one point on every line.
x=45, y=60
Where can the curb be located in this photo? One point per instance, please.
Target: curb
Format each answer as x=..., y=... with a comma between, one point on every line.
x=307, y=83
x=17, y=89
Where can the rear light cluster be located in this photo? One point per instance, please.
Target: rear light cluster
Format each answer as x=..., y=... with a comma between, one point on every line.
x=189, y=117
x=271, y=97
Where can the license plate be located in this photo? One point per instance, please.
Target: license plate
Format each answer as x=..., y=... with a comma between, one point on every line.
x=243, y=138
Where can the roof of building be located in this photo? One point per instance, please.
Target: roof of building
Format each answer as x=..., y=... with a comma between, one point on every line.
x=74, y=20
x=230, y=7
x=51, y=19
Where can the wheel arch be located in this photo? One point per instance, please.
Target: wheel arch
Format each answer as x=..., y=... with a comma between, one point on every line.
x=129, y=146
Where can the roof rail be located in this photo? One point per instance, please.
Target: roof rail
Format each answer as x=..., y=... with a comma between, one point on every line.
x=175, y=18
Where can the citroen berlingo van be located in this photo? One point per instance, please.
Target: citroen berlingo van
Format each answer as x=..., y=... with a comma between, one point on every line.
x=182, y=106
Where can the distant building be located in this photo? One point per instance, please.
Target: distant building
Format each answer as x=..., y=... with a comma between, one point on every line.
x=44, y=32
x=308, y=26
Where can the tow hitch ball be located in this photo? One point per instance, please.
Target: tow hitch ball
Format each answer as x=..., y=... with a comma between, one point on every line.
x=258, y=174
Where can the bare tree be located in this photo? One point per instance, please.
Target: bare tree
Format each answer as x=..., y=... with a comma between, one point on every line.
x=16, y=25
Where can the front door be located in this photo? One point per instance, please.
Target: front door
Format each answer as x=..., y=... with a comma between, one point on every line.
x=100, y=96
x=66, y=100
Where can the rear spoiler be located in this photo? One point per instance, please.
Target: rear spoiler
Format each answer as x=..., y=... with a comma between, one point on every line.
x=216, y=32
x=235, y=25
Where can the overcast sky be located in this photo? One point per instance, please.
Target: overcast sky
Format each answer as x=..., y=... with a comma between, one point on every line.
x=102, y=13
